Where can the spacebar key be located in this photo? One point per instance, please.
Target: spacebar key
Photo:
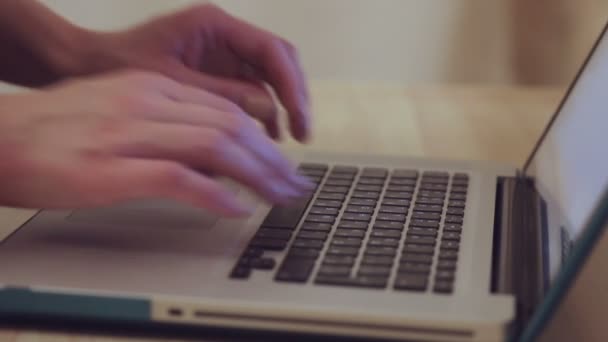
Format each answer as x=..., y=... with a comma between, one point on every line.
x=287, y=216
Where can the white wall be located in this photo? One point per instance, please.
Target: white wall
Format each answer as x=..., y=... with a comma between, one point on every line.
x=399, y=40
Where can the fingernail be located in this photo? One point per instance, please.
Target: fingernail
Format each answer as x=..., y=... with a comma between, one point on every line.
x=260, y=107
x=303, y=182
x=243, y=210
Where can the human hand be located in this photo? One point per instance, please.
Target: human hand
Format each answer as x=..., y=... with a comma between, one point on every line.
x=205, y=47
x=128, y=136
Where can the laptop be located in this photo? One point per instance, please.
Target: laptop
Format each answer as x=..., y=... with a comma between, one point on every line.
x=384, y=247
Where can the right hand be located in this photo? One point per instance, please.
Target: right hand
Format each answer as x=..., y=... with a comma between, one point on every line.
x=135, y=135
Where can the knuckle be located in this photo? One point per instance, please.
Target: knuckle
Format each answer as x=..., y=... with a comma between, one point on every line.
x=173, y=175
x=236, y=124
x=215, y=142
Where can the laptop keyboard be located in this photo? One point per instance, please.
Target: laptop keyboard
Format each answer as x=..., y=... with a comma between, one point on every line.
x=369, y=227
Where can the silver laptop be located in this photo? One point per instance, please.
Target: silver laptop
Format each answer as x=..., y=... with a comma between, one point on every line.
x=395, y=248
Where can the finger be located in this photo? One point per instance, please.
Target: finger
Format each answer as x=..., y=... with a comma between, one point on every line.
x=252, y=98
x=131, y=179
x=235, y=124
x=270, y=54
x=205, y=148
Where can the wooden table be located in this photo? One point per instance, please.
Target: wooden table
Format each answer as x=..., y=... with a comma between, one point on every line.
x=498, y=123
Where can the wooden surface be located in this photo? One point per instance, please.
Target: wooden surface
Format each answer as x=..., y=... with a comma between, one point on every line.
x=460, y=121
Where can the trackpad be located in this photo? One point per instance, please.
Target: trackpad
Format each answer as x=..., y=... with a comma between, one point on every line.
x=154, y=213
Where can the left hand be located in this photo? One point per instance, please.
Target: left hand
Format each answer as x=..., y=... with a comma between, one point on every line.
x=205, y=47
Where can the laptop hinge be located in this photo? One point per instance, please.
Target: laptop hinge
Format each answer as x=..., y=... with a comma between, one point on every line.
x=518, y=255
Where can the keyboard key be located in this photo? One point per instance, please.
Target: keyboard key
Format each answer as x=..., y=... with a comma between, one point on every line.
x=450, y=236
x=360, y=281
x=433, y=187
x=456, y=204
x=269, y=244
x=311, y=172
x=362, y=201
x=429, y=200
x=432, y=180
x=404, y=173
x=453, y=219
x=328, y=203
x=453, y=227
x=305, y=243
x=417, y=258
x=458, y=197
x=335, y=270
x=436, y=174
x=331, y=196
x=388, y=225
x=384, y=233
x=286, y=216
x=421, y=240
x=262, y=263
x=346, y=242
x=323, y=211
x=424, y=223
x=358, y=225
x=391, y=217
x=398, y=194
x=350, y=233
x=387, y=209
x=383, y=242
x=356, y=217
x=432, y=194
x=448, y=255
x=450, y=245
x=455, y=211
x=344, y=169
x=411, y=267
x=428, y=208
x=303, y=253
x=253, y=252
x=366, y=194
x=321, y=218
x=459, y=190
x=426, y=215
x=404, y=188
x=400, y=181
x=377, y=260
x=443, y=287
x=240, y=272
x=461, y=175
x=348, y=251
x=370, y=181
x=313, y=166
x=335, y=189
x=374, y=271
x=338, y=182
x=361, y=209
x=417, y=231
x=418, y=249
x=411, y=282
x=380, y=251
x=342, y=176
x=460, y=182
x=445, y=275
x=295, y=270
x=447, y=265
x=374, y=172
x=273, y=233
x=338, y=260
x=316, y=227
x=396, y=202
x=363, y=187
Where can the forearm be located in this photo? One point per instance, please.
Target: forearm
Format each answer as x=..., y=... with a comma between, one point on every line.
x=38, y=46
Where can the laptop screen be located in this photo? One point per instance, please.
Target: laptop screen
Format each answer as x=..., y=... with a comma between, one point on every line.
x=569, y=166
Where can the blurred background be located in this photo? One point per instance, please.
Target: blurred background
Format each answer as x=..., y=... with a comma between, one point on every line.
x=407, y=41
